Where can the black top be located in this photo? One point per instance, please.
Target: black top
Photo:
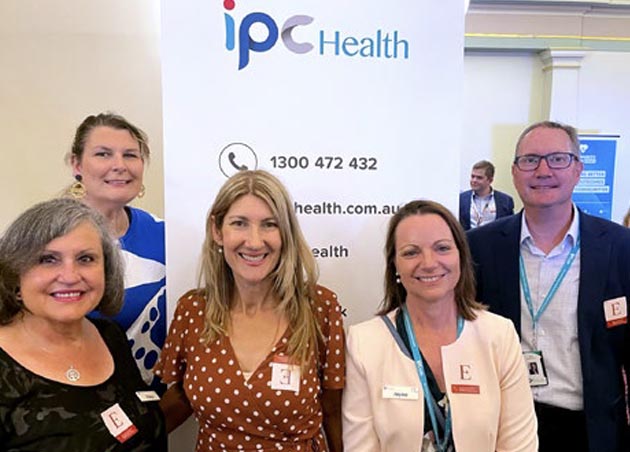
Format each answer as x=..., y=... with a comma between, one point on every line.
x=38, y=414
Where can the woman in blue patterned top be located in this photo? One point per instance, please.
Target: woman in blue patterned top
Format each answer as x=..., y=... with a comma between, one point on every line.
x=108, y=157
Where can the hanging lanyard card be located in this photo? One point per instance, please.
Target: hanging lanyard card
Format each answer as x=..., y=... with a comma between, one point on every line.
x=536, y=368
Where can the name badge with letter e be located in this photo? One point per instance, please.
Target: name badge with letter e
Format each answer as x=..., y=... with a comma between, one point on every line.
x=466, y=381
x=616, y=311
x=118, y=424
x=400, y=392
x=284, y=376
x=535, y=368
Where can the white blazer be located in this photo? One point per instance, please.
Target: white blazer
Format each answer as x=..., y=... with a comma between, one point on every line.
x=486, y=381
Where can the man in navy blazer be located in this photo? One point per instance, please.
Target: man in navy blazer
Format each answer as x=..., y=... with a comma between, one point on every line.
x=482, y=204
x=581, y=337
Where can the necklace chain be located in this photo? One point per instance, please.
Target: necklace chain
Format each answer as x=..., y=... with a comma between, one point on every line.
x=71, y=374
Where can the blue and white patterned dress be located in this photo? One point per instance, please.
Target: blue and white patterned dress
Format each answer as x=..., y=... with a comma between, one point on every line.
x=143, y=316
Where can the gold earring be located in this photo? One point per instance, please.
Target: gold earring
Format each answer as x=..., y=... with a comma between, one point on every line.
x=77, y=189
x=142, y=192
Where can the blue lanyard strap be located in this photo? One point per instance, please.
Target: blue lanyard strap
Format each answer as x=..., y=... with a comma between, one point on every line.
x=552, y=290
x=431, y=403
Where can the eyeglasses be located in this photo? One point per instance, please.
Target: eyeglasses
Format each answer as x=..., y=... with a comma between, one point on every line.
x=555, y=160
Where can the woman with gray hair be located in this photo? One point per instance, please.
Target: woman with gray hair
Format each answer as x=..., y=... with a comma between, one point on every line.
x=67, y=382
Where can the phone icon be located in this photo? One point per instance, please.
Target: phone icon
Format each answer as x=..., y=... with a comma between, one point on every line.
x=237, y=157
x=232, y=160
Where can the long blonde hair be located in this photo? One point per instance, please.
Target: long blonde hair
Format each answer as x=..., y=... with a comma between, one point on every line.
x=294, y=278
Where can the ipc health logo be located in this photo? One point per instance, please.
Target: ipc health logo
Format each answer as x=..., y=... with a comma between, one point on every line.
x=238, y=36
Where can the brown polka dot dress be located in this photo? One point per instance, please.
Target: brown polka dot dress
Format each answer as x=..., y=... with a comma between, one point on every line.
x=239, y=415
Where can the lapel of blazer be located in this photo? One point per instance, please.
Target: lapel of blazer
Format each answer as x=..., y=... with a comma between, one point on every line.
x=464, y=208
x=507, y=251
x=498, y=202
x=594, y=256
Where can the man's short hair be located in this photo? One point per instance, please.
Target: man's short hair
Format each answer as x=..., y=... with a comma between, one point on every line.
x=569, y=130
x=487, y=166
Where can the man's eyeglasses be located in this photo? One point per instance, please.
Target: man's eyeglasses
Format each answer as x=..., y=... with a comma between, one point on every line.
x=555, y=160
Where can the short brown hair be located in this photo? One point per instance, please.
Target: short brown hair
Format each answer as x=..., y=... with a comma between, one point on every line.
x=486, y=166
x=465, y=292
x=569, y=130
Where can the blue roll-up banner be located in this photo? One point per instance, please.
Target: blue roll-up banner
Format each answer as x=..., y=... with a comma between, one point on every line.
x=593, y=194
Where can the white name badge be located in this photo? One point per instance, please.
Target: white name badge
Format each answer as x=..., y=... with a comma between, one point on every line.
x=147, y=396
x=400, y=392
x=118, y=424
x=284, y=376
x=616, y=311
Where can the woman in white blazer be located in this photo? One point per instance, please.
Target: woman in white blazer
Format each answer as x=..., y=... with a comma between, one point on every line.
x=434, y=371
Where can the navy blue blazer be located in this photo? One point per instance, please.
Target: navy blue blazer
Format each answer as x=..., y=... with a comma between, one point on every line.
x=604, y=274
x=503, y=202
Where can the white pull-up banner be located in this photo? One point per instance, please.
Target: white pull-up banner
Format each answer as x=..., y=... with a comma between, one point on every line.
x=354, y=104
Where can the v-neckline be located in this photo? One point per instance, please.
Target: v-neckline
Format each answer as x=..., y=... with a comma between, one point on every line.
x=265, y=360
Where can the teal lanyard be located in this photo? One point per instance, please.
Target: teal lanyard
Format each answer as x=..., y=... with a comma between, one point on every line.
x=415, y=351
x=552, y=290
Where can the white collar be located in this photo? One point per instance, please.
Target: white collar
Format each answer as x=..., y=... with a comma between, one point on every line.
x=572, y=233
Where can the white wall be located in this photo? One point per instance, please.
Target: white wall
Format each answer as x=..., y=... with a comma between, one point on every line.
x=60, y=61
x=604, y=107
x=501, y=96
x=503, y=93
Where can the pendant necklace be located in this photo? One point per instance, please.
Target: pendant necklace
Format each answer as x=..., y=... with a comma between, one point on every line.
x=73, y=375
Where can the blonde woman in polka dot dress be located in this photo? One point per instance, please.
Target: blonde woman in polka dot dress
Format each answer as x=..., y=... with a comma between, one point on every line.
x=257, y=352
